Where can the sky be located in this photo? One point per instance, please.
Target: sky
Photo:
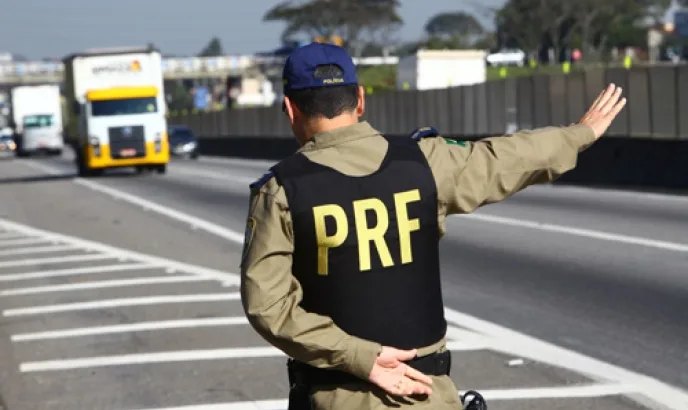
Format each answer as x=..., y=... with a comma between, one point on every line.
x=55, y=28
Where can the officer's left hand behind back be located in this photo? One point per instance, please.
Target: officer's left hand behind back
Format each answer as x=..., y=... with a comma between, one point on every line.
x=397, y=378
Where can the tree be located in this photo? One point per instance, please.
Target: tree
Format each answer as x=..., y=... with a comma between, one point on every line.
x=520, y=21
x=449, y=25
x=213, y=49
x=596, y=24
x=346, y=19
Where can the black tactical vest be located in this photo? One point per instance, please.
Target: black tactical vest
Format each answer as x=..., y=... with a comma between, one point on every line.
x=381, y=285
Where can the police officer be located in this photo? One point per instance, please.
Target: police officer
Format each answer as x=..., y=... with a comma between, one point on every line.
x=340, y=268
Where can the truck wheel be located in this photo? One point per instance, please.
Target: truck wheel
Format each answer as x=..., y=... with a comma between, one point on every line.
x=82, y=170
x=161, y=169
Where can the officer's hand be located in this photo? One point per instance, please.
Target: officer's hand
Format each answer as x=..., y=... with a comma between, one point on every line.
x=397, y=378
x=603, y=111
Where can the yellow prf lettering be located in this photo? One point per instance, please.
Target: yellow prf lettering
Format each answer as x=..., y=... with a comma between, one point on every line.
x=324, y=241
x=406, y=225
x=376, y=234
x=367, y=236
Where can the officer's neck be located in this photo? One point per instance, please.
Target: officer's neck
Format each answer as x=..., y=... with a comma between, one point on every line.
x=315, y=126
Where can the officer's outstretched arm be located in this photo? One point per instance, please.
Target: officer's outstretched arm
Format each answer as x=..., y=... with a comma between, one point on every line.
x=271, y=294
x=473, y=174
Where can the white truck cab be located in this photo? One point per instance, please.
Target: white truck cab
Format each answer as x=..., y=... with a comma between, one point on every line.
x=117, y=109
x=37, y=119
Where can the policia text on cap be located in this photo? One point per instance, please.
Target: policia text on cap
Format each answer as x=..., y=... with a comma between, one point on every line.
x=341, y=268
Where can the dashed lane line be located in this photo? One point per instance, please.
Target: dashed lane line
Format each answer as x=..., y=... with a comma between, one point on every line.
x=586, y=233
x=103, y=284
x=143, y=358
x=10, y=236
x=22, y=241
x=121, y=302
x=223, y=277
x=131, y=328
x=177, y=356
x=95, y=270
x=58, y=260
x=38, y=249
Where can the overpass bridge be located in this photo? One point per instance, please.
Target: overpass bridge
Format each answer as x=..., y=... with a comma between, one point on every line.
x=41, y=72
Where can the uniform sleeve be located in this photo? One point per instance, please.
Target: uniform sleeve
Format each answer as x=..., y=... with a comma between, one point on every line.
x=473, y=174
x=271, y=294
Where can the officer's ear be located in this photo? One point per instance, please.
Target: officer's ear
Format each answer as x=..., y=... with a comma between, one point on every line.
x=289, y=108
x=360, y=108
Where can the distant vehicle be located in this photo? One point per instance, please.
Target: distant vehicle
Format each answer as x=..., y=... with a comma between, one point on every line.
x=37, y=119
x=507, y=56
x=117, y=103
x=183, y=142
x=7, y=146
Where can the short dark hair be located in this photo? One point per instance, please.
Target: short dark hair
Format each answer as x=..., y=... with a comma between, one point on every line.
x=328, y=102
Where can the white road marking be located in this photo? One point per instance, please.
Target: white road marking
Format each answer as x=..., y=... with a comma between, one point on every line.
x=238, y=405
x=11, y=235
x=511, y=342
x=227, y=177
x=241, y=162
x=161, y=357
x=672, y=398
x=616, y=192
x=152, y=206
x=587, y=233
x=123, y=302
x=102, y=284
x=466, y=345
x=131, y=327
x=22, y=241
x=223, y=277
x=38, y=249
x=566, y=392
x=56, y=260
x=76, y=271
x=599, y=390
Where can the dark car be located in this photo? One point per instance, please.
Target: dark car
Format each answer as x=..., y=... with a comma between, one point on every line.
x=183, y=142
x=7, y=146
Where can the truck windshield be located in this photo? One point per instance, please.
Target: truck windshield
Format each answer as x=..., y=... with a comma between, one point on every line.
x=127, y=106
x=37, y=121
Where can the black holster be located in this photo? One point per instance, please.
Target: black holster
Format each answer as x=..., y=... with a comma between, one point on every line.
x=299, y=387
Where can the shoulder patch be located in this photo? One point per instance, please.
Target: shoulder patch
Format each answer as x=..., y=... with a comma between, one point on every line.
x=424, y=132
x=451, y=141
x=264, y=179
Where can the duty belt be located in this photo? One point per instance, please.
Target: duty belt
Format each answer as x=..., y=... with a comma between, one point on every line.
x=300, y=374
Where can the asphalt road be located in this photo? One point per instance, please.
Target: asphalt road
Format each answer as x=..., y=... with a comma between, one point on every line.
x=602, y=273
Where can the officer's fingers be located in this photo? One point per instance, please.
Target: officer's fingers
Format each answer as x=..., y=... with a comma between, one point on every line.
x=417, y=388
x=414, y=374
x=388, y=361
x=611, y=102
x=606, y=95
x=407, y=387
x=594, y=103
x=404, y=355
x=617, y=109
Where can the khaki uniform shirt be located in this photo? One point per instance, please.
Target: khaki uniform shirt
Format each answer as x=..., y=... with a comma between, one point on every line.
x=468, y=175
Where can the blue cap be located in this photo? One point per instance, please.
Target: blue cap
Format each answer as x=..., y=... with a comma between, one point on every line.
x=299, y=69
